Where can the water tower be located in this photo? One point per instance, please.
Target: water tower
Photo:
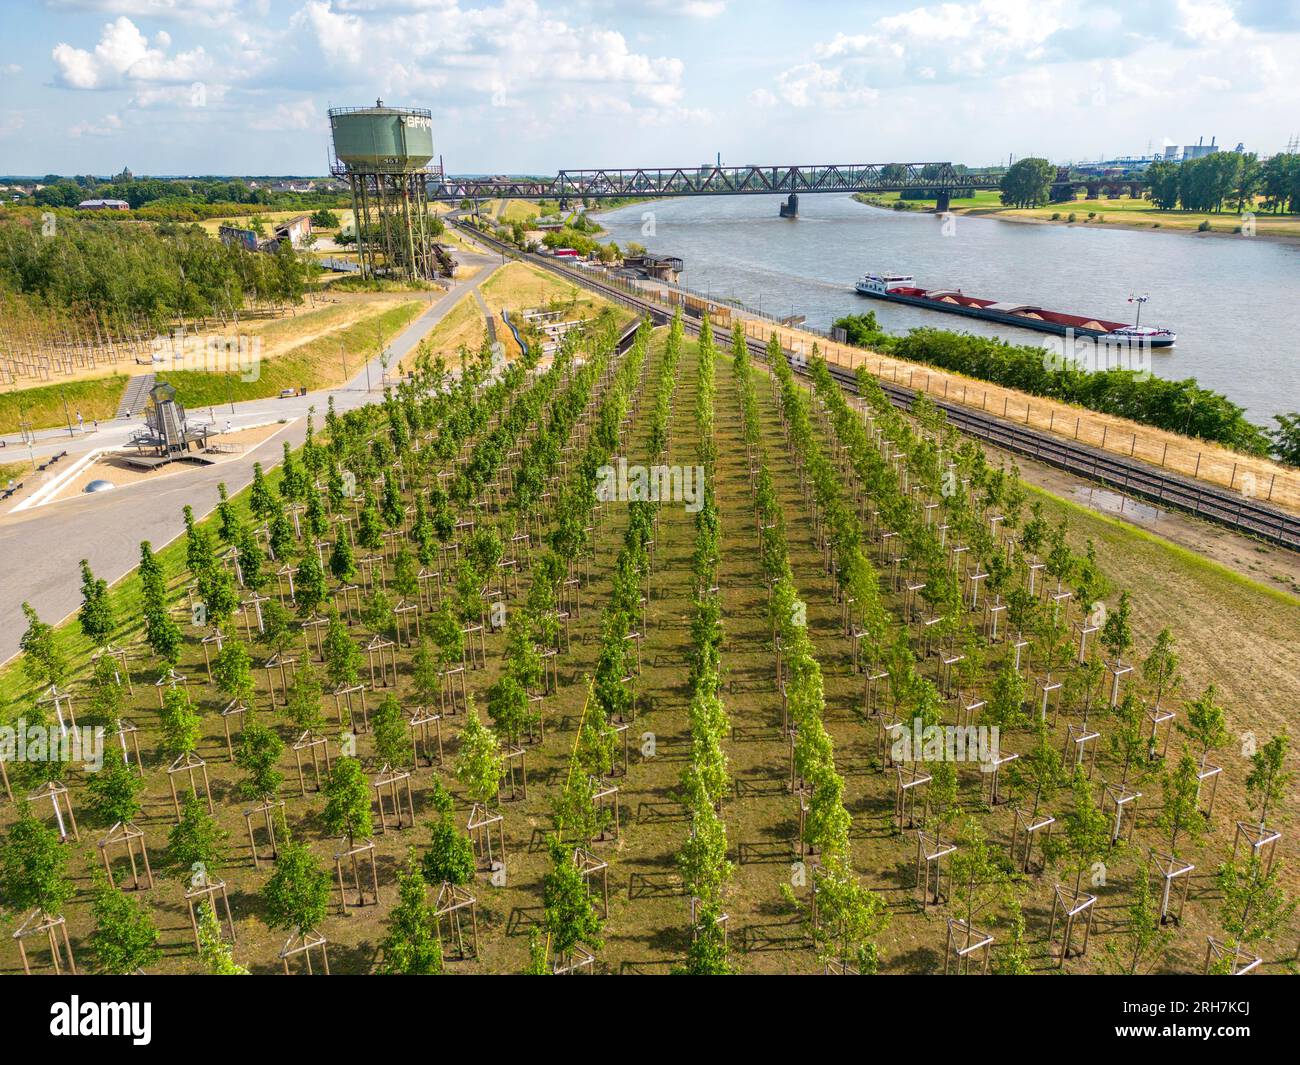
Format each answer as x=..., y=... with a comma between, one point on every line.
x=383, y=153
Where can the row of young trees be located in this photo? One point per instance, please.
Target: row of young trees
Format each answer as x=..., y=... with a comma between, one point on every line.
x=702, y=858
x=570, y=916
x=846, y=918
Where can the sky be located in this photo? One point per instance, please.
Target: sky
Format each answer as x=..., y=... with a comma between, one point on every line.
x=533, y=86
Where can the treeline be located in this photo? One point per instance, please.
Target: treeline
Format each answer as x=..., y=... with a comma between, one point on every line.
x=1177, y=406
x=154, y=273
x=1226, y=179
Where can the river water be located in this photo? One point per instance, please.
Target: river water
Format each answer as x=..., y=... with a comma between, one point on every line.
x=1234, y=301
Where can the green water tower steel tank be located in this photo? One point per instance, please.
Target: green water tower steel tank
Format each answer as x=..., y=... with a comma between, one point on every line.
x=383, y=139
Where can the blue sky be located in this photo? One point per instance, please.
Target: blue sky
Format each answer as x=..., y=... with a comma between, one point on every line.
x=242, y=86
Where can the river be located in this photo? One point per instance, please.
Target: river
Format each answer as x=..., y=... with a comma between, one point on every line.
x=1234, y=301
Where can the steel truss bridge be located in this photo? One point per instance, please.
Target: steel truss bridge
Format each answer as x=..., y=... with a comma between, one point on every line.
x=719, y=181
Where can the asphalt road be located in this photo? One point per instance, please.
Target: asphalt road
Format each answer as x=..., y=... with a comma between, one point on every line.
x=40, y=548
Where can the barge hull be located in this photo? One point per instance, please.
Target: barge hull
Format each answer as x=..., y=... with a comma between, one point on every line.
x=983, y=314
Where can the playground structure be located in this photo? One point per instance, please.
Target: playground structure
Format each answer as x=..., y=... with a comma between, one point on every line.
x=168, y=434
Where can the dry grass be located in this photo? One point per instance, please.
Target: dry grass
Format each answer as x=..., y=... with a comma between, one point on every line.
x=462, y=326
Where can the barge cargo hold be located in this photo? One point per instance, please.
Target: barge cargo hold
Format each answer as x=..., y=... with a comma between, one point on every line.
x=899, y=288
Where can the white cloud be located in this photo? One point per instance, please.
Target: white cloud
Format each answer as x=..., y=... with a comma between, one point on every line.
x=300, y=115
x=512, y=53
x=106, y=127
x=124, y=55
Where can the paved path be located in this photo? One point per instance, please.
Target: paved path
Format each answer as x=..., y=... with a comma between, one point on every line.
x=40, y=548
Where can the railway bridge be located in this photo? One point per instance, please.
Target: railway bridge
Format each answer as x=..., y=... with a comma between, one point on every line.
x=791, y=180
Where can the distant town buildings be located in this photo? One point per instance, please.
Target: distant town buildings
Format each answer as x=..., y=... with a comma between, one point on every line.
x=103, y=205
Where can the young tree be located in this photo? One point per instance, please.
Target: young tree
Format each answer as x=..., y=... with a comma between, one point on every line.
x=228, y=523
x=347, y=801
x=260, y=500
x=33, y=866
x=392, y=737
x=1180, y=813
x=258, y=755
x=1006, y=703
x=297, y=894
x=1013, y=958
x=161, y=631
x=411, y=947
x=303, y=703
x=425, y=671
x=310, y=588
x=1143, y=942
x=196, y=846
x=1086, y=829
x=1268, y=778
x=1207, y=723
x=450, y=855
x=536, y=954
x=277, y=634
x=343, y=563
x=96, y=614
x=570, y=911
x=214, y=951
x=342, y=655
x=114, y=792
x=232, y=671
x=1117, y=632
x=181, y=726
x=479, y=762
x=1255, y=907
x=377, y=613
x=43, y=662
x=252, y=559
x=850, y=917
x=124, y=940
x=1160, y=668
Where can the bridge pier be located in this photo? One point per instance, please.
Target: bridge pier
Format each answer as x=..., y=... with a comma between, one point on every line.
x=790, y=209
x=943, y=202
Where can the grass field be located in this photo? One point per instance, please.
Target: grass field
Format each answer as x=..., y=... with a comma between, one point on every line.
x=44, y=406
x=1229, y=630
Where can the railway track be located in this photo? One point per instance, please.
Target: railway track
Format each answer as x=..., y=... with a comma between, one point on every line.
x=1130, y=476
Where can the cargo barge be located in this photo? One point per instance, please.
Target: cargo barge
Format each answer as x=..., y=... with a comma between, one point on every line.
x=900, y=288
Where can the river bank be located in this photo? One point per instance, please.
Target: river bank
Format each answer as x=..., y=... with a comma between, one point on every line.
x=1109, y=214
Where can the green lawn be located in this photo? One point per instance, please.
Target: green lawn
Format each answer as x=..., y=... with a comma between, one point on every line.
x=43, y=406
